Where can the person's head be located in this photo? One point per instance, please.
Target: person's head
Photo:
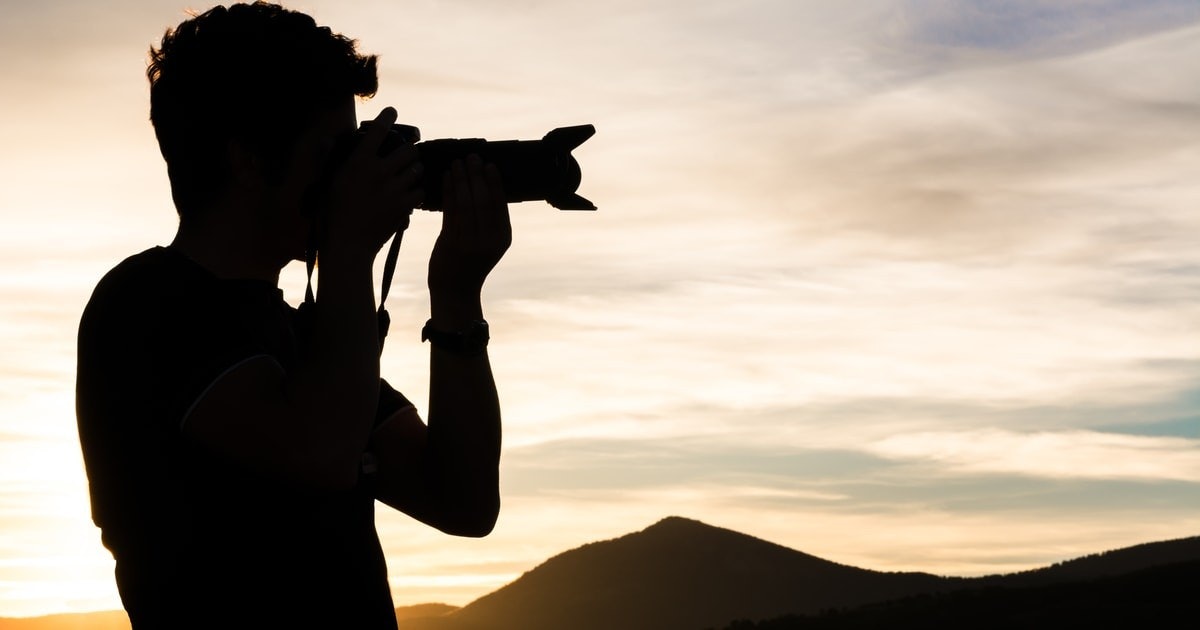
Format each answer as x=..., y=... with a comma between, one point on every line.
x=244, y=83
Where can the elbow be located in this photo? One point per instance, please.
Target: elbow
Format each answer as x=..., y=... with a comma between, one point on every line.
x=479, y=530
x=476, y=520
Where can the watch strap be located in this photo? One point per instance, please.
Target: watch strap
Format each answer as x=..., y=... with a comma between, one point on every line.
x=468, y=342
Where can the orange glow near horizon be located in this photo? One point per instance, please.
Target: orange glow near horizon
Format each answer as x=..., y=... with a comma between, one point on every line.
x=902, y=287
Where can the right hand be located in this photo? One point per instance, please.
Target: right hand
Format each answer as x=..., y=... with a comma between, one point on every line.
x=476, y=229
x=371, y=197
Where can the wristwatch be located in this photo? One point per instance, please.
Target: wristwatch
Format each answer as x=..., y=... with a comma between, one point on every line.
x=468, y=342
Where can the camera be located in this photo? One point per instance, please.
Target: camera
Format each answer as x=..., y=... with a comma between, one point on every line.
x=532, y=170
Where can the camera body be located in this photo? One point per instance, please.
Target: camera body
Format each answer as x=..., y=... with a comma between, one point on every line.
x=531, y=170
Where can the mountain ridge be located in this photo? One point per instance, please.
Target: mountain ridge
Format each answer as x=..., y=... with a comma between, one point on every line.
x=682, y=574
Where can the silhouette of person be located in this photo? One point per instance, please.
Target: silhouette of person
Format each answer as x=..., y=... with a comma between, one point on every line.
x=234, y=445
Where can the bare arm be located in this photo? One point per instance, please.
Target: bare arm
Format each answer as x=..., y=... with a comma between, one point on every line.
x=308, y=425
x=445, y=474
x=450, y=478
x=311, y=424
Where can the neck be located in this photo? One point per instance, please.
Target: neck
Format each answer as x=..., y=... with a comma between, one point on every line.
x=227, y=248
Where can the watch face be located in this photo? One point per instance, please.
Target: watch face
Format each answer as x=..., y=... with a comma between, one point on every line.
x=468, y=341
x=477, y=334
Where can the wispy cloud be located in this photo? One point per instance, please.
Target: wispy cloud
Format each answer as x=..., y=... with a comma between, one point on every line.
x=1074, y=454
x=906, y=284
x=1032, y=27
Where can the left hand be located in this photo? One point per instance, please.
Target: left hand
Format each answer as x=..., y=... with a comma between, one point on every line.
x=476, y=231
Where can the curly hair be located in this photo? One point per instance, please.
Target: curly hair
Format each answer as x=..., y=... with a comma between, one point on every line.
x=258, y=74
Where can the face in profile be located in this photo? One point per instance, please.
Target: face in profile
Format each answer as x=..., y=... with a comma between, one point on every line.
x=286, y=215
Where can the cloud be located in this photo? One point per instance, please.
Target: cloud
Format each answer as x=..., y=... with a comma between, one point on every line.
x=903, y=284
x=886, y=504
x=981, y=336
x=1028, y=27
x=981, y=470
x=891, y=522
x=724, y=469
x=1038, y=158
x=1075, y=454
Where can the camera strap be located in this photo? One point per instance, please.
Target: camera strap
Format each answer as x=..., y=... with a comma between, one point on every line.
x=389, y=269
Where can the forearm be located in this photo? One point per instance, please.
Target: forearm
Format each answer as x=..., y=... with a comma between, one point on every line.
x=309, y=421
x=464, y=424
x=334, y=389
x=464, y=413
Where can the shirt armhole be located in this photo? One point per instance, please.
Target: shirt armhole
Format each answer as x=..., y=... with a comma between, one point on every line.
x=408, y=408
x=369, y=463
x=216, y=380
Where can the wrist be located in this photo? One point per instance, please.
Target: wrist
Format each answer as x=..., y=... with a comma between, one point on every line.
x=344, y=275
x=469, y=341
x=451, y=312
x=339, y=260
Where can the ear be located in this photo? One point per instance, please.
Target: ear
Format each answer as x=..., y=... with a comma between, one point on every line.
x=245, y=166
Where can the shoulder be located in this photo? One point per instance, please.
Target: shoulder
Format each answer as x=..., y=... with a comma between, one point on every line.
x=140, y=284
x=125, y=311
x=125, y=289
x=140, y=275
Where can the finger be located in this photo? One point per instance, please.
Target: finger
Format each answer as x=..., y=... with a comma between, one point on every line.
x=480, y=196
x=467, y=212
x=414, y=198
x=448, y=203
x=403, y=219
x=401, y=158
x=497, y=199
x=447, y=196
x=410, y=176
x=462, y=188
x=375, y=132
x=407, y=186
x=482, y=190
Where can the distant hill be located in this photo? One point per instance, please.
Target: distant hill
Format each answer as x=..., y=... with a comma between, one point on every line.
x=681, y=574
x=678, y=574
x=1108, y=563
x=1161, y=597
x=407, y=614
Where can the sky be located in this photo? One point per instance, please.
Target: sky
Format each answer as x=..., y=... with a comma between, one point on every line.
x=903, y=284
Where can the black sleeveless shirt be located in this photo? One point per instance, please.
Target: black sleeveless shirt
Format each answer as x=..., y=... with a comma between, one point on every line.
x=200, y=541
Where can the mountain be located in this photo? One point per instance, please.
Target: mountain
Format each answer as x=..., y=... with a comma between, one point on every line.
x=681, y=574
x=678, y=574
x=1158, y=597
x=1108, y=563
x=423, y=611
